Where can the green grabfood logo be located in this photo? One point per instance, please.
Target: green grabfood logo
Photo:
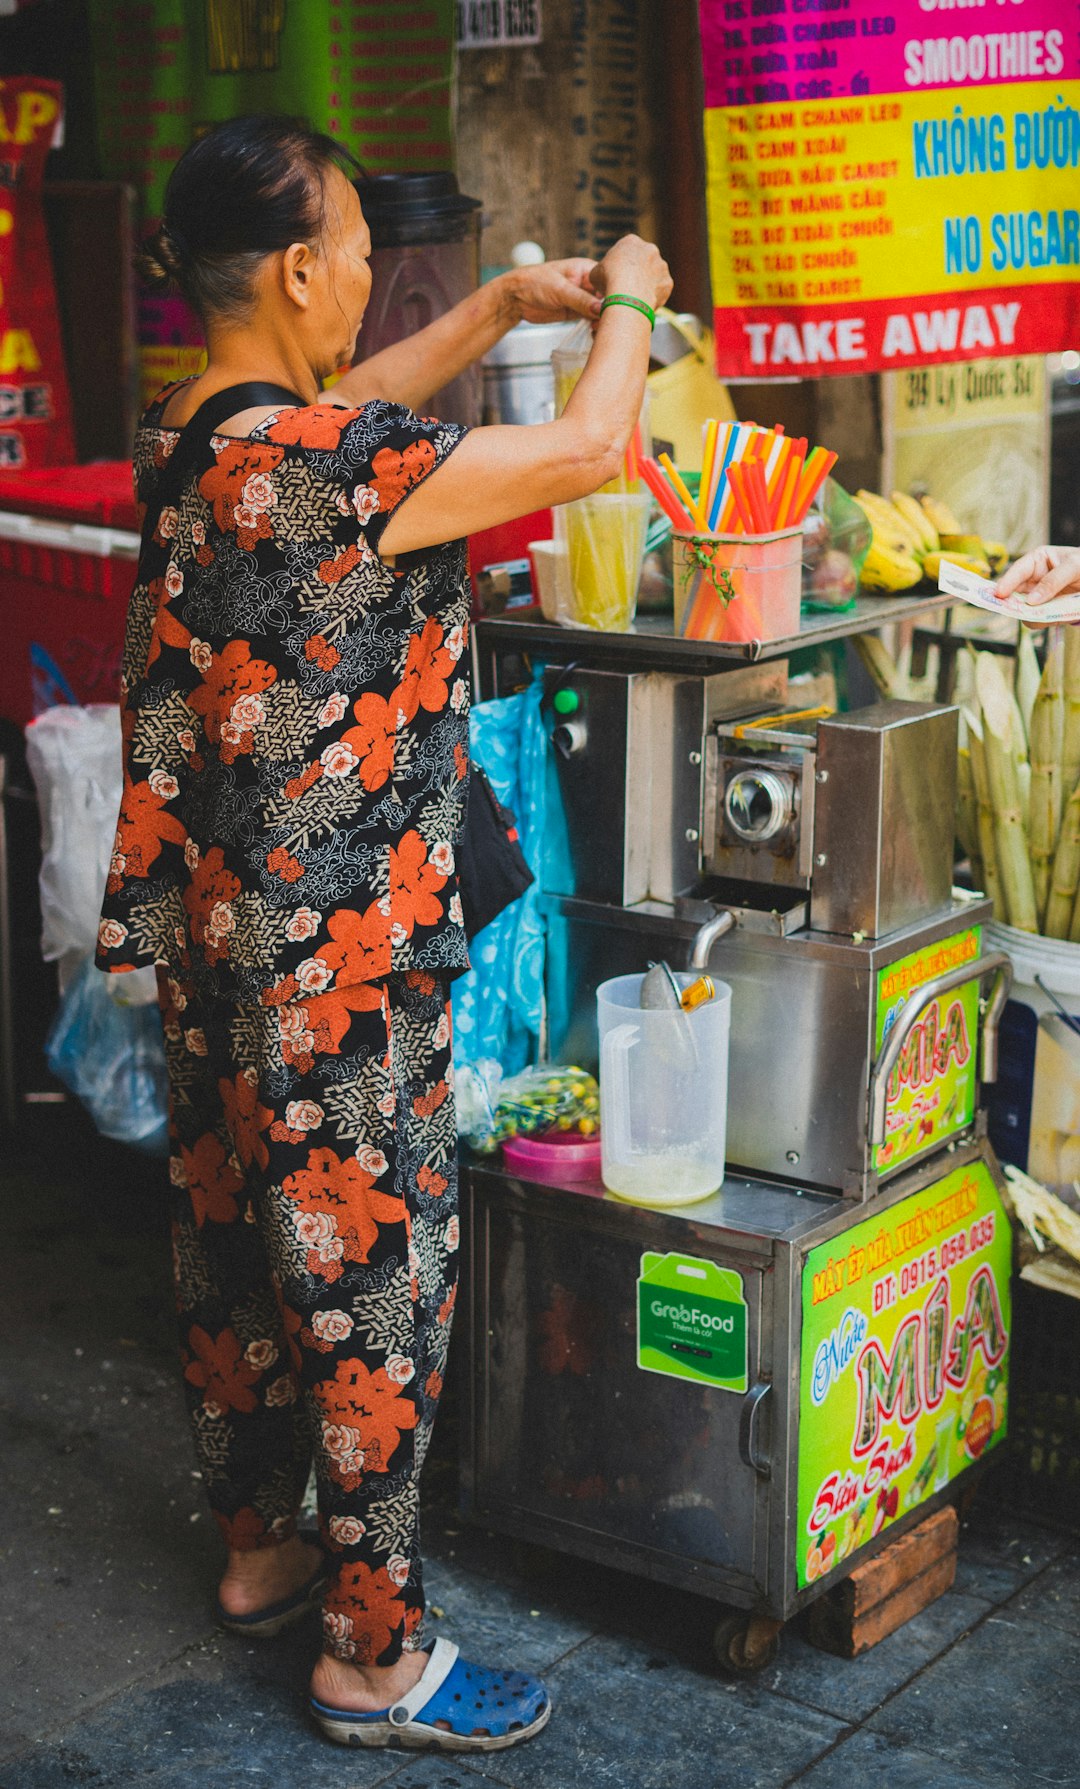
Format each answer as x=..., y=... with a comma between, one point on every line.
x=692, y=1321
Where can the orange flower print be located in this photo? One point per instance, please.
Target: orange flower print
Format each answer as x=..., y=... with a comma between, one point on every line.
x=239, y=486
x=461, y=762
x=396, y=473
x=230, y=676
x=331, y=571
x=372, y=1407
x=299, y=785
x=360, y=947
x=208, y=898
x=312, y=425
x=428, y=666
x=378, y=1612
x=372, y=740
x=168, y=631
x=246, y=1119
x=142, y=829
x=330, y=1014
x=212, y=1179
x=220, y=1368
x=329, y=1179
x=282, y=864
x=414, y=882
x=432, y=1183
x=425, y=1104
x=319, y=650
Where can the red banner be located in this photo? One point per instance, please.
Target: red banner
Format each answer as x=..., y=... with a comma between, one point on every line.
x=35, y=408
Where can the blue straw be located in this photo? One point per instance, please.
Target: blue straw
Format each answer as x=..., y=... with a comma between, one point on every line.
x=721, y=483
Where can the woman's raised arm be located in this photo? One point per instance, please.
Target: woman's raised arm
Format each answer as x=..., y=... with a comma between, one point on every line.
x=409, y=371
x=502, y=472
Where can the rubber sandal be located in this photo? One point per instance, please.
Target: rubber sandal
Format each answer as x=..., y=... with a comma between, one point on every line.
x=264, y=1624
x=484, y=1711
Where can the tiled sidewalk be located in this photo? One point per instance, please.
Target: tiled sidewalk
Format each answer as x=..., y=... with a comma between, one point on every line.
x=113, y=1673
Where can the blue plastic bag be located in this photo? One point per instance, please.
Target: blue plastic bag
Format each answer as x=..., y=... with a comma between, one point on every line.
x=499, y=1004
x=112, y=1057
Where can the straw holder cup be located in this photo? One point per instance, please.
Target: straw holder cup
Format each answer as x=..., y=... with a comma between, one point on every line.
x=759, y=597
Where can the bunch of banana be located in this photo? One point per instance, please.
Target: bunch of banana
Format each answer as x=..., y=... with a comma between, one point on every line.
x=894, y=559
x=911, y=536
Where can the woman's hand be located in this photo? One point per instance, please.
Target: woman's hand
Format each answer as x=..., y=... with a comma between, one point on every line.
x=636, y=268
x=554, y=291
x=1043, y=574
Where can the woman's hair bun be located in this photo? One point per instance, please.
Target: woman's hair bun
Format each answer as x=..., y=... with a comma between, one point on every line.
x=161, y=259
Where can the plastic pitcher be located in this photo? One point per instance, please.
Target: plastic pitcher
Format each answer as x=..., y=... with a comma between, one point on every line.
x=663, y=1094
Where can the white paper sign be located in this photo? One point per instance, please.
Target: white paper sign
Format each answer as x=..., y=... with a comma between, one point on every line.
x=956, y=580
x=497, y=24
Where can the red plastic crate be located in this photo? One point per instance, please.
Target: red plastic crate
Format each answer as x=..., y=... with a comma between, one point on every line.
x=101, y=494
x=64, y=606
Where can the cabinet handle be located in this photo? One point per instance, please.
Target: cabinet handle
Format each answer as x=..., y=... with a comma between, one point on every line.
x=748, y=1449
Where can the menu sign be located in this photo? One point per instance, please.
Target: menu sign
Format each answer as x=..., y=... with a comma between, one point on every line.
x=903, y=1377
x=890, y=187
x=931, y=1092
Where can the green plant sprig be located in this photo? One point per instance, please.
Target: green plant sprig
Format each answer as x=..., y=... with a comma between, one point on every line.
x=701, y=556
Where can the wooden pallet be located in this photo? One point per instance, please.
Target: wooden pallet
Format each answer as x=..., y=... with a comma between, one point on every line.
x=878, y=1597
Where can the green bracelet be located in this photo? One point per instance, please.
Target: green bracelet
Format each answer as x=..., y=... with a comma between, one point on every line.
x=634, y=304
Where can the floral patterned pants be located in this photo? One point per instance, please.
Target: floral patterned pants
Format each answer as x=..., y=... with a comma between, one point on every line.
x=313, y=1164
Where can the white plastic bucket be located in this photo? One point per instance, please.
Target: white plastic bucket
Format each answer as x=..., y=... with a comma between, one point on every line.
x=1034, y=1107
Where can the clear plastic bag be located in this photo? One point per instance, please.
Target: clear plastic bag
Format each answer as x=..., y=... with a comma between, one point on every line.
x=112, y=1057
x=836, y=539
x=548, y=1097
x=74, y=759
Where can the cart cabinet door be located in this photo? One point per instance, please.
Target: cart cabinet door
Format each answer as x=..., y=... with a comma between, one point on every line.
x=612, y=1377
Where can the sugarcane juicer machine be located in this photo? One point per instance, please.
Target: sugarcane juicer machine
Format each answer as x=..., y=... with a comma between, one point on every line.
x=745, y=1395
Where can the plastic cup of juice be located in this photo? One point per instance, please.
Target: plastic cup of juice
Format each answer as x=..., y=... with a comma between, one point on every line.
x=604, y=539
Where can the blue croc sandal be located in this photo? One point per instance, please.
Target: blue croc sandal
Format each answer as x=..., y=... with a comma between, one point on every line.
x=480, y=1711
x=264, y=1624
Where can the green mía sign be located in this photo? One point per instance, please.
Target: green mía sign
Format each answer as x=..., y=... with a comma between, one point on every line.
x=692, y=1321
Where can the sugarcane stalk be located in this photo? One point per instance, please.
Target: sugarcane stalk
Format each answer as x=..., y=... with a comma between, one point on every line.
x=1065, y=877
x=984, y=816
x=1070, y=746
x=1027, y=680
x=967, y=823
x=1000, y=719
x=879, y=663
x=964, y=680
x=1044, y=818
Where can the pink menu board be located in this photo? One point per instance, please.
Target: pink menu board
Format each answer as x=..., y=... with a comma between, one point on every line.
x=891, y=188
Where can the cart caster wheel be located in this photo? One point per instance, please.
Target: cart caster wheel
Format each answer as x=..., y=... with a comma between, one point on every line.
x=746, y=1644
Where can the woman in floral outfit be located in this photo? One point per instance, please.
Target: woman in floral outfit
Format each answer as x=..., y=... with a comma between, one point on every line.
x=295, y=714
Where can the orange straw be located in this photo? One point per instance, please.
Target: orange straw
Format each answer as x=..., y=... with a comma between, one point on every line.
x=661, y=490
x=682, y=493
x=759, y=497
x=783, y=508
x=816, y=472
x=777, y=480
x=737, y=475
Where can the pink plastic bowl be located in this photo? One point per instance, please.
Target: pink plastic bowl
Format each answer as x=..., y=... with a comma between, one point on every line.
x=571, y=1158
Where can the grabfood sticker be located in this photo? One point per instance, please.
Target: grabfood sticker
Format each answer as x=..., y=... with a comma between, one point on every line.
x=692, y=1321
x=904, y=1355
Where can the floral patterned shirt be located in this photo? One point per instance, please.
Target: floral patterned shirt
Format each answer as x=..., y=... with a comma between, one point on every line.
x=295, y=712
